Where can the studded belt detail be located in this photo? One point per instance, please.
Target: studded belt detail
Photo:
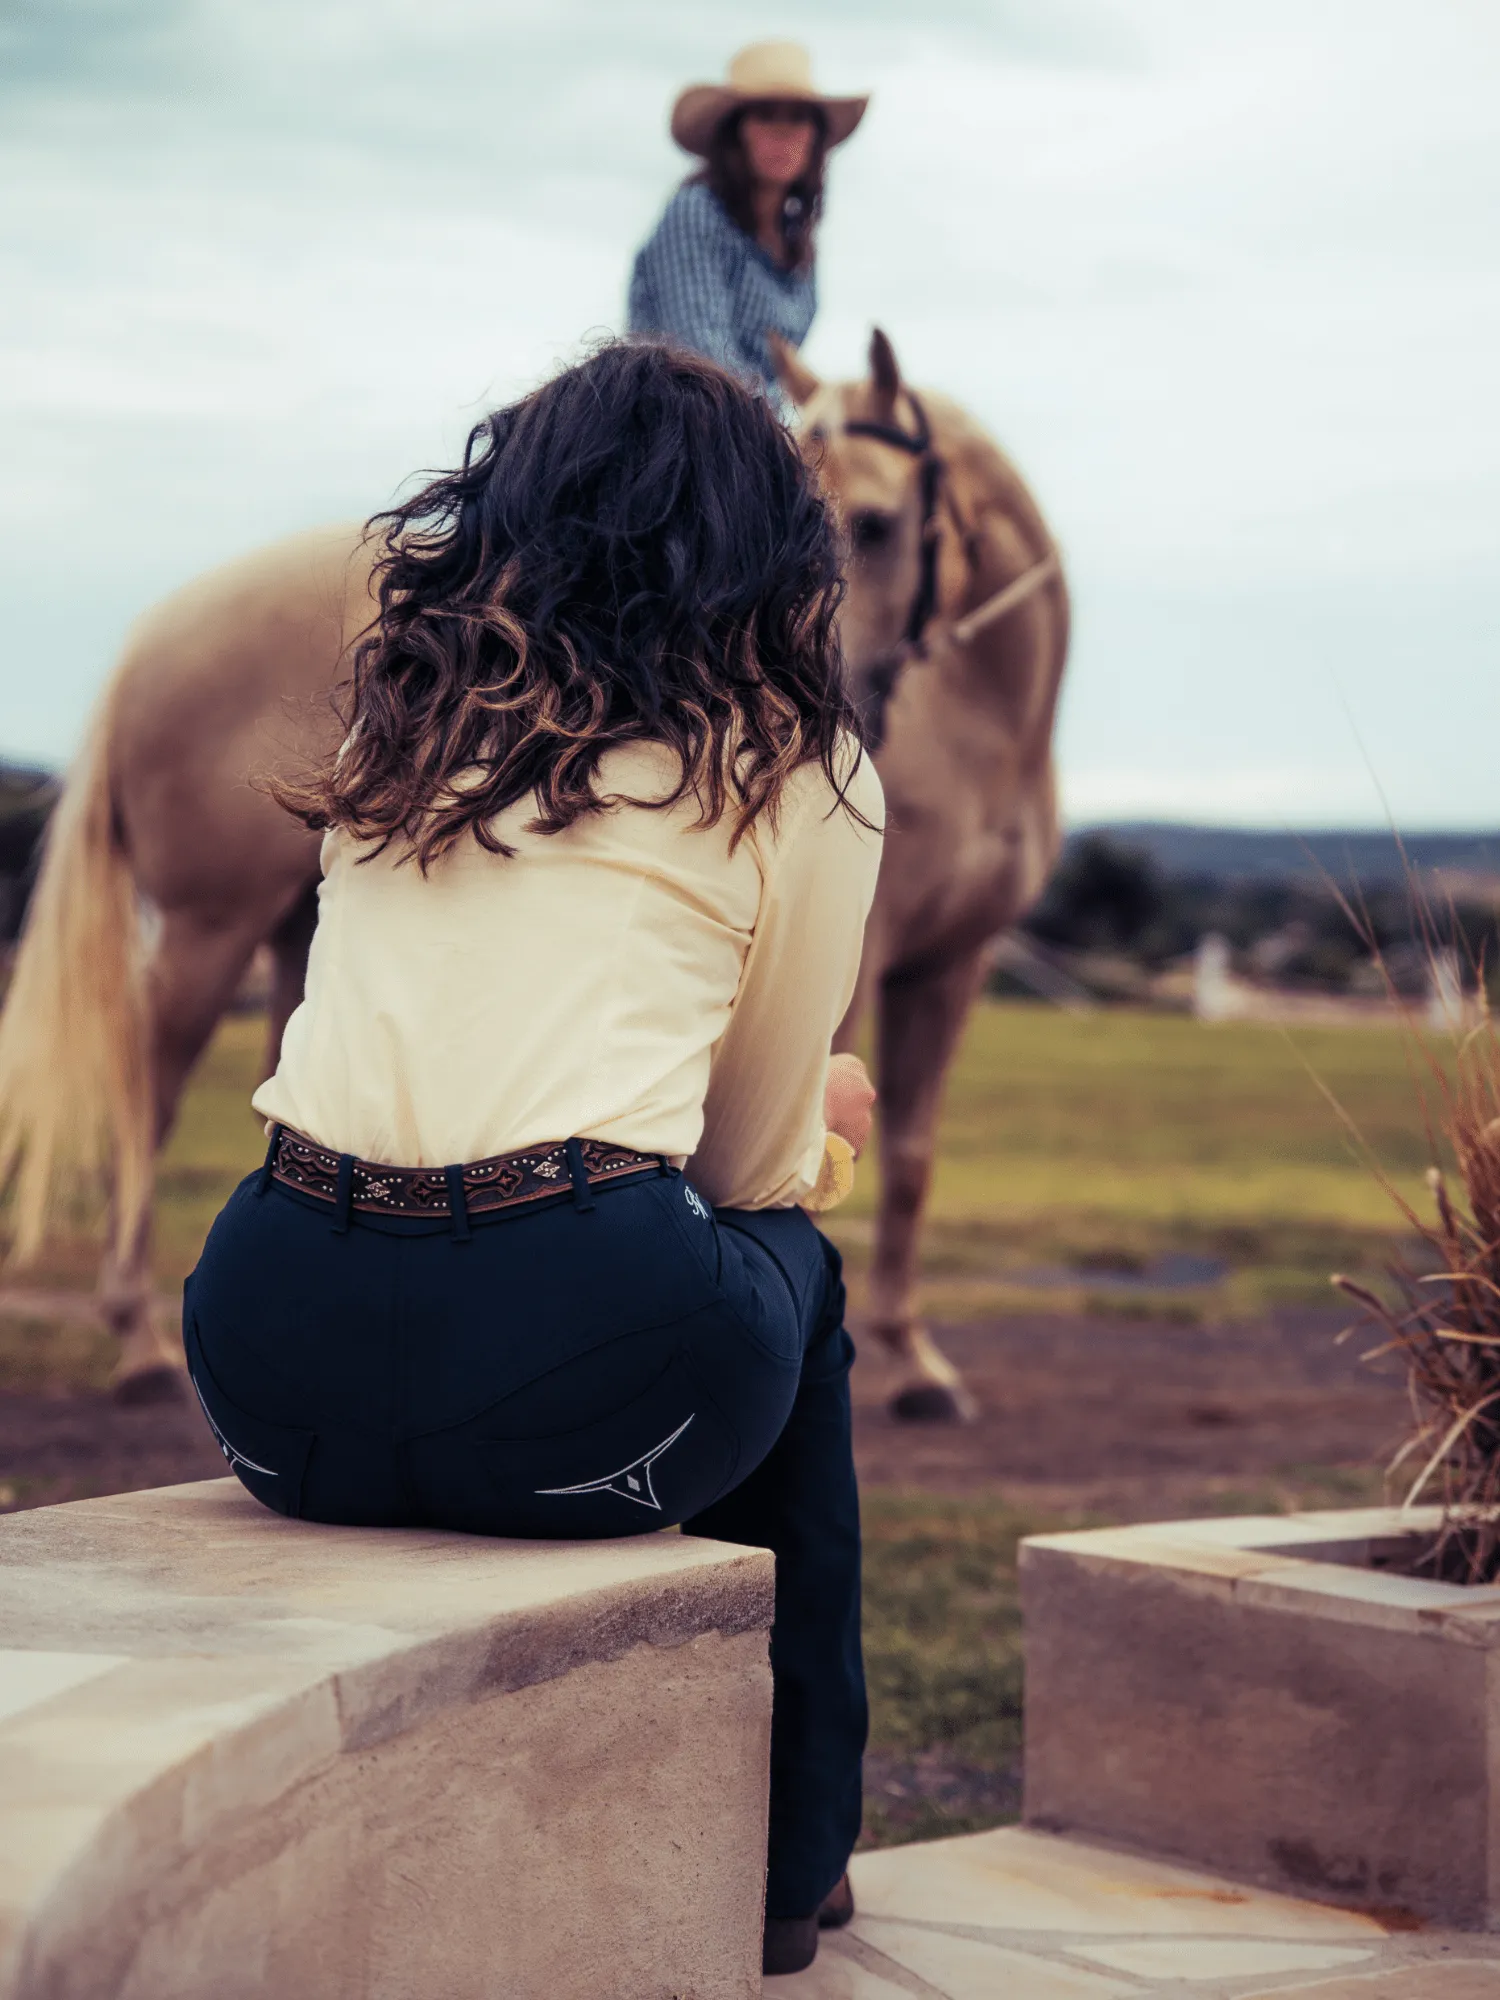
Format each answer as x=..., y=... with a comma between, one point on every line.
x=506, y=1181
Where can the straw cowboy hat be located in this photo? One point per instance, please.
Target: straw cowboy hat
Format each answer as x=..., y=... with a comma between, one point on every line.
x=776, y=72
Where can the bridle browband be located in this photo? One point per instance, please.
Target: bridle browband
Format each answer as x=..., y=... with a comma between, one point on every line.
x=885, y=670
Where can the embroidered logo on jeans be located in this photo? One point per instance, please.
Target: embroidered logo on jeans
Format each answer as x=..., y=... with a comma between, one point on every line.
x=695, y=1201
x=234, y=1458
x=631, y=1482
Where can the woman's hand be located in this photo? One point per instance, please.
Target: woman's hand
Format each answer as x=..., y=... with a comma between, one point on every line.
x=849, y=1101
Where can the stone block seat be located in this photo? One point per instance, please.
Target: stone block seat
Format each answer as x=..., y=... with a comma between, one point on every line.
x=247, y=1756
x=1280, y=1697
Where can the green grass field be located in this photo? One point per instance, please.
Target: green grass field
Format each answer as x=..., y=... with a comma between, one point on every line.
x=942, y=1631
x=1108, y=1140
x=1102, y=1140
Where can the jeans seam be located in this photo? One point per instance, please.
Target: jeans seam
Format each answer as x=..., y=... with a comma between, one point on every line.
x=791, y=1292
x=397, y=1446
x=731, y=1431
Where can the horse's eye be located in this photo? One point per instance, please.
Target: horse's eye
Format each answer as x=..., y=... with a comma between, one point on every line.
x=870, y=529
x=818, y=434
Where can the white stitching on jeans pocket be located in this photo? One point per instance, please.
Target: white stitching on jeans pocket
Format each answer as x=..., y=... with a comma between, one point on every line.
x=625, y=1482
x=234, y=1456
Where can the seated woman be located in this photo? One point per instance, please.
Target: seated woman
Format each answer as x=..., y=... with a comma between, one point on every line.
x=733, y=257
x=529, y=1254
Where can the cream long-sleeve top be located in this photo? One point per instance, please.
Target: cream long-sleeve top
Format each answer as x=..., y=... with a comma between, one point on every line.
x=633, y=978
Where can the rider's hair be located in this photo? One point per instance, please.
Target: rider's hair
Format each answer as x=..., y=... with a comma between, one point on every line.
x=635, y=552
x=727, y=175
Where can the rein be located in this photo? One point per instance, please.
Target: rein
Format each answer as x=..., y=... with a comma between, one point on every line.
x=886, y=670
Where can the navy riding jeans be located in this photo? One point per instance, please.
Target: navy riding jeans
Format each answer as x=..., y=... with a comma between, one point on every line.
x=610, y=1361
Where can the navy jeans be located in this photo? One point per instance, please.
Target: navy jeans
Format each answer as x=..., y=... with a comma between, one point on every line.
x=586, y=1366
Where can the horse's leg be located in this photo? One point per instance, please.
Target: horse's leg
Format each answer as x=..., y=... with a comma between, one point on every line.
x=290, y=943
x=921, y=1015
x=194, y=972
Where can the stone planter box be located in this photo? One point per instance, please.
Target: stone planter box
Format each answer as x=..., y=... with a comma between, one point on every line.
x=1275, y=1698
x=242, y=1756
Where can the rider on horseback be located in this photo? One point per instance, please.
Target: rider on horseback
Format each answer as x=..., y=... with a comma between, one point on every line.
x=732, y=259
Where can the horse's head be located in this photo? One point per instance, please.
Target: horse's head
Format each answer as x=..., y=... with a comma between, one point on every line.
x=869, y=444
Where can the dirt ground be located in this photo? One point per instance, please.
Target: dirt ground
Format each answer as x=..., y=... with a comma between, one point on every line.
x=1130, y=1418
x=1119, y=1418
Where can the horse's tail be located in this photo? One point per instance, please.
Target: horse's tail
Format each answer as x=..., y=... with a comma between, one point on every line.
x=75, y=1096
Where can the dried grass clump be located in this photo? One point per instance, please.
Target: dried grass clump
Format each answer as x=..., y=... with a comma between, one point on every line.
x=1444, y=1321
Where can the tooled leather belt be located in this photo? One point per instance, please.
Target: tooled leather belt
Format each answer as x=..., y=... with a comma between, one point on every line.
x=508, y=1180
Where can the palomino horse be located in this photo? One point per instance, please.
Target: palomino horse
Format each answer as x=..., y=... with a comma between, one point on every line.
x=105, y=1017
x=955, y=635
x=230, y=679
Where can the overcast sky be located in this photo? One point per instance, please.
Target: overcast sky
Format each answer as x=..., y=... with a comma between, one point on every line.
x=1223, y=277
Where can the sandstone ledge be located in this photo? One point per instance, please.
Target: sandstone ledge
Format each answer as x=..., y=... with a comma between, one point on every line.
x=244, y=1755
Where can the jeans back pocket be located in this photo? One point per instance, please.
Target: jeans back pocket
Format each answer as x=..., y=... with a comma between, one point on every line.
x=269, y=1460
x=660, y=1457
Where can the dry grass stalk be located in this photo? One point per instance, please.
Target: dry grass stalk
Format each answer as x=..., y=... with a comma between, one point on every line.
x=1444, y=1320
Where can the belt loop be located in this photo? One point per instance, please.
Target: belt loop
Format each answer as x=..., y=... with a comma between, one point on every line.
x=583, y=1194
x=665, y=1168
x=268, y=1165
x=343, y=1194
x=458, y=1203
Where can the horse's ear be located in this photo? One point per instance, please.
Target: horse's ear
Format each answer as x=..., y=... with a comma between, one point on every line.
x=792, y=371
x=885, y=375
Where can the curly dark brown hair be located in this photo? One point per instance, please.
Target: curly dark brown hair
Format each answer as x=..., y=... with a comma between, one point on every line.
x=634, y=552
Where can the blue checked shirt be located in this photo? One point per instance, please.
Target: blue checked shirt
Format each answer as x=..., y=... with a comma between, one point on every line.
x=702, y=281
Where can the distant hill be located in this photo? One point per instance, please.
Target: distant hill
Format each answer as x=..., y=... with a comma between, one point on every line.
x=1245, y=854
x=23, y=780
x=1220, y=853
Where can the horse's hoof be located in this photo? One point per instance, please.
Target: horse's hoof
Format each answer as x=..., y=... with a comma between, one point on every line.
x=931, y=1403
x=161, y=1383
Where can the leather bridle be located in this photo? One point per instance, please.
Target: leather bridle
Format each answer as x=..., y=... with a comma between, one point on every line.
x=929, y=478
x=885, y=670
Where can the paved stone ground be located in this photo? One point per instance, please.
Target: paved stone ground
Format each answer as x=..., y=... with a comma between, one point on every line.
x=1012, y=1915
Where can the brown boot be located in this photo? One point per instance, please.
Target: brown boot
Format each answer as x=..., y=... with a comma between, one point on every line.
x=837, y=1907
x=790, y=1945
